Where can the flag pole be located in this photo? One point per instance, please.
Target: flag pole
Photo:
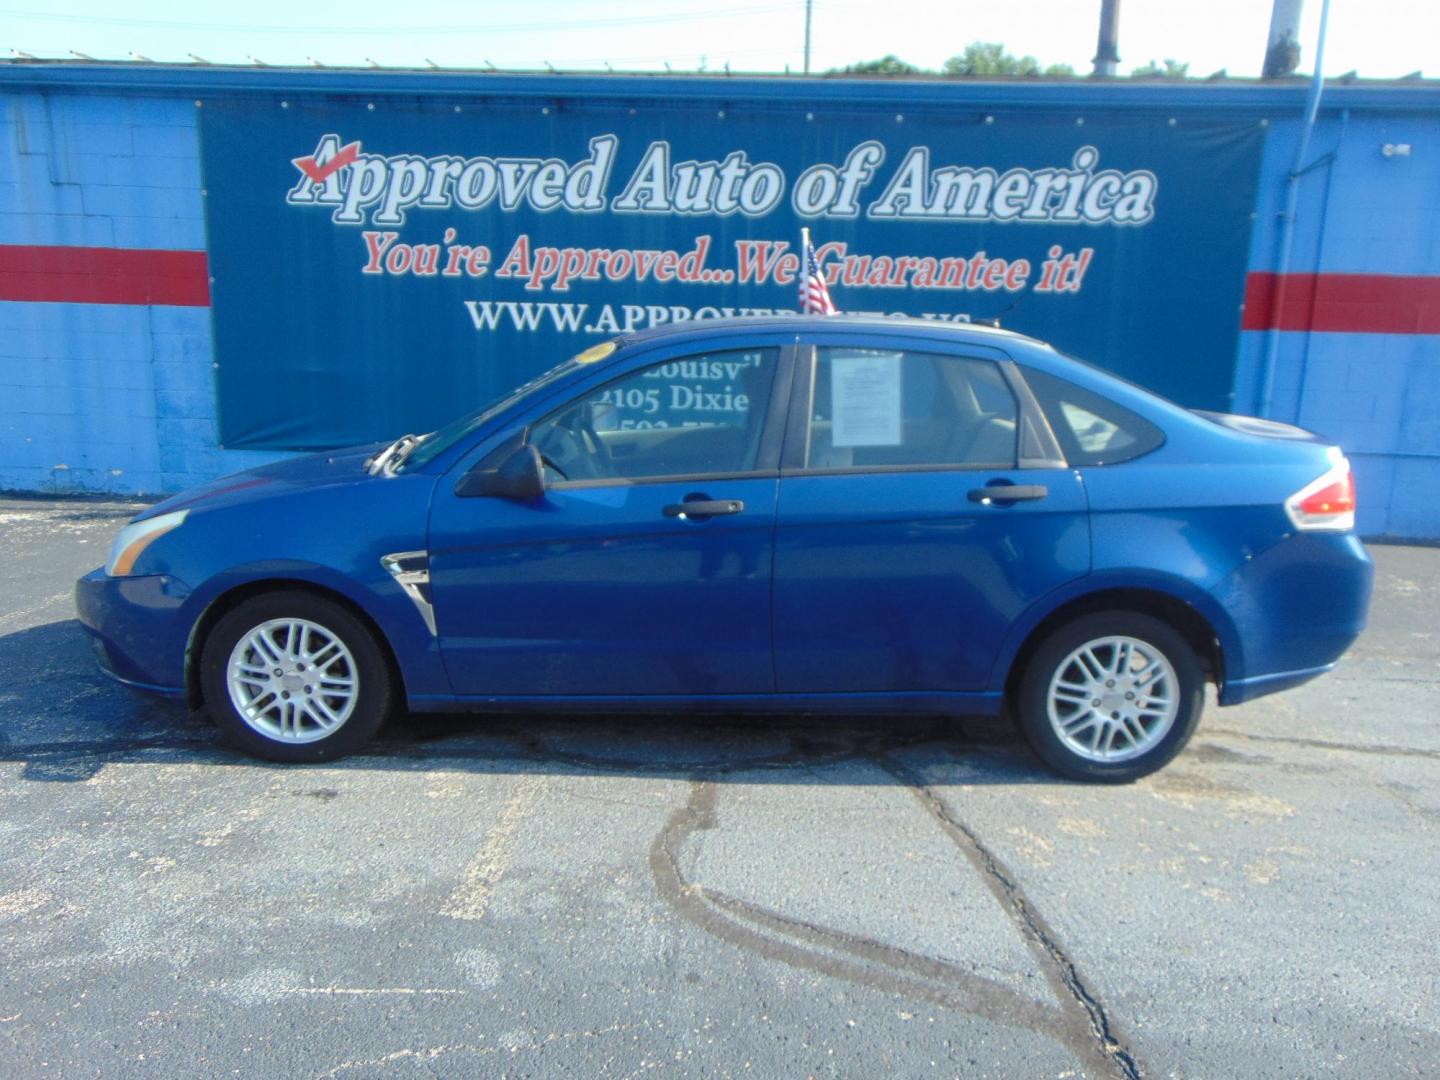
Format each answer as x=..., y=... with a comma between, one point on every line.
x=804, y=239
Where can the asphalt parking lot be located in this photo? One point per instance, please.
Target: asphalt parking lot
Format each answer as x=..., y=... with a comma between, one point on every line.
x=699, y=897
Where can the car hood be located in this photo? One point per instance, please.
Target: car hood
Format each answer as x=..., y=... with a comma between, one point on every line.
x=308, y=471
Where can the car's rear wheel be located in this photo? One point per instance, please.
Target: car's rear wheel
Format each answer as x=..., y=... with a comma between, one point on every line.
x=293, y=676
x=1112, y=696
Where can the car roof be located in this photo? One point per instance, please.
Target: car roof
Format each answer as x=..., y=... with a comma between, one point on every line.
x=972, y=333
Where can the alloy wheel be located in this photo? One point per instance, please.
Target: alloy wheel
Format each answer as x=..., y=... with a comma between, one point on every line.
x=292, y=680
x=1113, y=698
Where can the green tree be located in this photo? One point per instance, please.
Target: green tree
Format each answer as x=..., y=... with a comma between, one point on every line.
x=990, y=58
x=889, y=64
x=1172, y=69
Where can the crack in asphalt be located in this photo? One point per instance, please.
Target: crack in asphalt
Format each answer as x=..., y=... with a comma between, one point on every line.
x=1328, y=744
x=1427, y=680
x=870, y=963
x=1080, y=1023
x=1003, y=883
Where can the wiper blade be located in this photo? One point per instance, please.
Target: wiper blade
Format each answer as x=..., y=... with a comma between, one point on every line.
x=408, y=445
x=384, y=460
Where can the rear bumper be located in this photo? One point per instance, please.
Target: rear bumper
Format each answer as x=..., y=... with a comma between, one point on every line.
x=135, y=628
x=1297, y=607
x=1237, y=690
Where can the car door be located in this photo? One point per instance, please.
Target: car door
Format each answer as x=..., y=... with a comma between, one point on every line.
x=645, y=567
x=923, y=506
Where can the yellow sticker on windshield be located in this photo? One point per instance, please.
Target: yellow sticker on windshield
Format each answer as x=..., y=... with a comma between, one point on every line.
x=596, y=352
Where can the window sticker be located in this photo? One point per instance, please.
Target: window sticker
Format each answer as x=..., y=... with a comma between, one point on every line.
x=865, y=400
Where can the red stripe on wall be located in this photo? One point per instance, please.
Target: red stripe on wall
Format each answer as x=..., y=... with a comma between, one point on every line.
x=92, y=275
x=1343, y=303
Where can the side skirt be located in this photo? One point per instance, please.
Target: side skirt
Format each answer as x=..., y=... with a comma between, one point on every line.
x=921, y=703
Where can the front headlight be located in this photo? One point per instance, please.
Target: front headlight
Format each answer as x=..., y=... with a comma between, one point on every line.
x=136, y=537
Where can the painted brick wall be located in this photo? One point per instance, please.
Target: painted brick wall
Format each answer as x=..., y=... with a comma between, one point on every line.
x=104, y=397
x=1376, y=394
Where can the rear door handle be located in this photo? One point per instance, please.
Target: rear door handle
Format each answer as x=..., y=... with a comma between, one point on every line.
x=699, y=508
x=1007, y=493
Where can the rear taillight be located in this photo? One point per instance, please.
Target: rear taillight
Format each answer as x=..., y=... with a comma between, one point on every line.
x=1327, y=502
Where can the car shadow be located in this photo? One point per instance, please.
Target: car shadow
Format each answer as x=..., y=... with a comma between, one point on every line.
x=65, y=721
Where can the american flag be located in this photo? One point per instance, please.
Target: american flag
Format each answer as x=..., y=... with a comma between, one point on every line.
x=814, y=296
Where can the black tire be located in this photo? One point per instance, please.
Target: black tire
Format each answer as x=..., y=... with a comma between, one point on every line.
x=375, y=686
x=1034, y=688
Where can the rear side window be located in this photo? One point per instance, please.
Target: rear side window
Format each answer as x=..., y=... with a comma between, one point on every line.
x=889, y=409
x=1092, y=430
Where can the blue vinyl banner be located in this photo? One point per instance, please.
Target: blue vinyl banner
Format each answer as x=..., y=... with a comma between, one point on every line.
x=384, y=267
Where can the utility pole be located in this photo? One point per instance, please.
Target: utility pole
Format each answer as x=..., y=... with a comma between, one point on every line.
x=1107, y=54
x=808, y=5
x=1282, y=48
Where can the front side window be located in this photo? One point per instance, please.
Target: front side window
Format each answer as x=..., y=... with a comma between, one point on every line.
x=437, y=442
x=876, y=408
x=692, y=416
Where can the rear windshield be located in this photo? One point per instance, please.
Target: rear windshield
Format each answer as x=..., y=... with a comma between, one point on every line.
x=1093, y=430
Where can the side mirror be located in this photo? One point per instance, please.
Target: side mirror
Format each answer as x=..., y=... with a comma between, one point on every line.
x=521, y=477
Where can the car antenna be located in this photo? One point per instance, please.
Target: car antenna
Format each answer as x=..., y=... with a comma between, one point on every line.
x=994, y=320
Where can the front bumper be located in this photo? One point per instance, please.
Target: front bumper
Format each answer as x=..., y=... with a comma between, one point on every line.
x=136, y=628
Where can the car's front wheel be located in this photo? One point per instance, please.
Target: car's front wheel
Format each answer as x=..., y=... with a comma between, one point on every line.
x=293, y=677
x=1111, y=696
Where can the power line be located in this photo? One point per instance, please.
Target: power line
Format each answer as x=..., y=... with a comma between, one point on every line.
x=463, y=28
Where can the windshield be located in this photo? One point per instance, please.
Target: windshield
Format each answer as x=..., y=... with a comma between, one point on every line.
x=437, y=442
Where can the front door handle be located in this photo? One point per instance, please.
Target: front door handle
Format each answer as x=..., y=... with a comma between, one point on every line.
x=1007, y=493
x=703, y=508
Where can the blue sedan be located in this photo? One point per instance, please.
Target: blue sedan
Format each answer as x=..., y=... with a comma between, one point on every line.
x=809, y=514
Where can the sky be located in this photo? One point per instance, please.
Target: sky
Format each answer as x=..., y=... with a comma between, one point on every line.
x=1377, y=38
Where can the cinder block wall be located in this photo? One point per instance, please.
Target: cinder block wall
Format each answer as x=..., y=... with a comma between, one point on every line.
x=116, y=394
x=1361, y=364
x=102, y=397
